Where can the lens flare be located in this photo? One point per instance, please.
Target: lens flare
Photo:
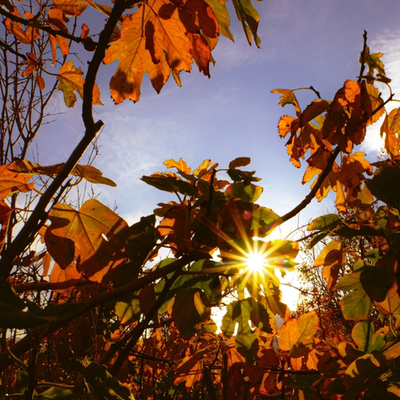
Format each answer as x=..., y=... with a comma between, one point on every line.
x=256, y=262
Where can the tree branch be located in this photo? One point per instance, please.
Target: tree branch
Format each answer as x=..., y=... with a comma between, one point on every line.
x=307, y=200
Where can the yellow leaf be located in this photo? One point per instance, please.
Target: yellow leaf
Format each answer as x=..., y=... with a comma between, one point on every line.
x=70, y=80
x=294, y=332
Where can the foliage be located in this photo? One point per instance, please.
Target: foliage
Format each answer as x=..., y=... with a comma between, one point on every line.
x=94, y=308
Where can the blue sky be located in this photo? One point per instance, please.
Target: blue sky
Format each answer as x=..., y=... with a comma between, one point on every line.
x=233, y=114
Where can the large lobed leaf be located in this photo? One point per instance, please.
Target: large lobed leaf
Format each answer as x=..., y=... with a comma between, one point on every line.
x=90, y=236
x=159, y=38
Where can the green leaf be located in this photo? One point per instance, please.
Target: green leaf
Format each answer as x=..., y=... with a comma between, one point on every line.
x=222, y=14
x=349, y=282
x=356, y=305
x=242, y=312
x=328, y=221
x=102, y=385
x=56, y=393
x=366, y=339
x=128, y=312
x=249, y=193
x=249, y=17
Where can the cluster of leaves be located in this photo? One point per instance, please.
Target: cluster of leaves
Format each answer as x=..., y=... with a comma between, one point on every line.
x=93, y=307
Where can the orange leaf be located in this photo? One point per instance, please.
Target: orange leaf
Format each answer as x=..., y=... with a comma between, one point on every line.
x=64, y=274
x=332, y=258
x=391, y=129
x=90, y=236
x=32, y=64
x=180, y=165
x=62, y=43
x=164, y=47
x=11, y=181
x=5, y=213
x=27, y=36
x=72, y=8
x=287, y=124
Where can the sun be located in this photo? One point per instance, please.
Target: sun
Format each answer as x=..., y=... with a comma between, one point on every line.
x=256, y=262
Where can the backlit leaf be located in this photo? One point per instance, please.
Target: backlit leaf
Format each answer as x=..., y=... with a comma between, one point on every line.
x=11, y=181
x=70, y=80
x=356, y=305
x=93, y=232
x=332, y=258
x=128, y=312
x=328, y=221
x=249, y=17
x=239, y=162
x=297, y=331
x=314, y=109
x=190, y=308
x=287, y=97
x=5, y=213
x=222, y=15
x=385, y=185
x=27, y=36
x=71, y=8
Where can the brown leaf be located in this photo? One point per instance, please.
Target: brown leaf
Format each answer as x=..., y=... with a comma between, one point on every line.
x=239, y=162
x=91, y=236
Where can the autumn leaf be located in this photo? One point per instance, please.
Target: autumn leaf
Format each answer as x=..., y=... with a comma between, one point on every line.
x=71, y=8
x=287, y=97
x=222, y=15
x=332, y=258
x=27, y=36
x=180, y=165
x=295, y=332
x=70, y=80
x=190, y=308
x=164, y=47
x=62, y=43
x=314, y=109
x=91, y=236
x=5, y=213
x=239, y=162
x=249, y=17
x=11, y=182
x=189, y=370
x=87, y=172
x=390, y=129
x=32, y=64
